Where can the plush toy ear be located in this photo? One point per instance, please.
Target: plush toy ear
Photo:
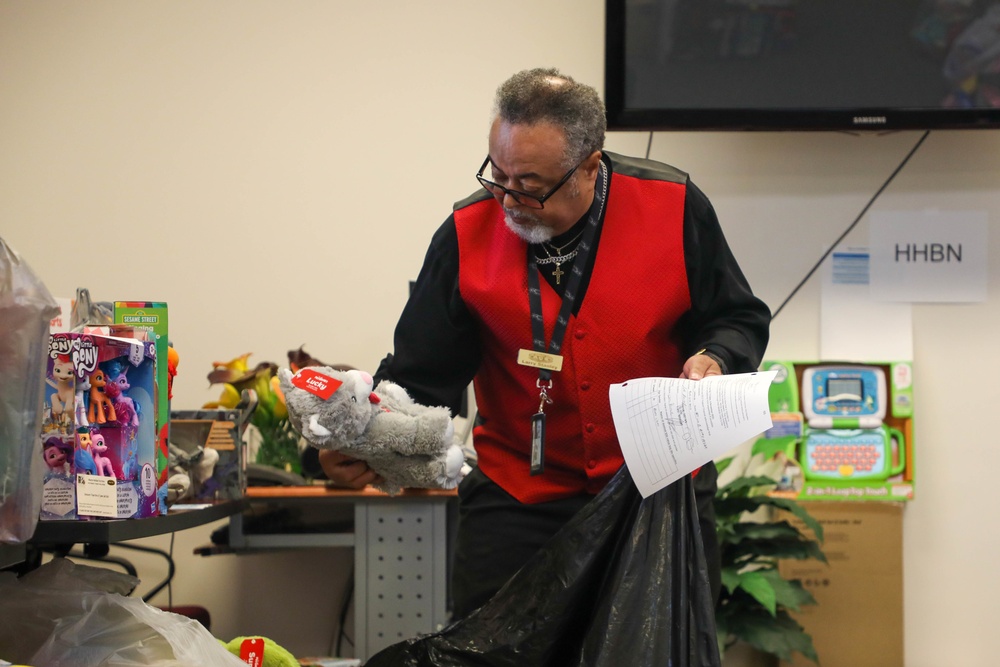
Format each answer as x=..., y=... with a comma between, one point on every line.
x=317, y=383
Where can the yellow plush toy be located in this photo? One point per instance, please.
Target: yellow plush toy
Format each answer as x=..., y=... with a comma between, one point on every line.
x=274, y=655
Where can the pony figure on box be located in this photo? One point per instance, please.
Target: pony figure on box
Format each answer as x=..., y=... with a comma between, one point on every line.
x=80, y=403
x=83, y=458
x=409, y=445
x=62, y=382
x=99, y=448
x=126, y=411
x=58, y=456
x=101, y=407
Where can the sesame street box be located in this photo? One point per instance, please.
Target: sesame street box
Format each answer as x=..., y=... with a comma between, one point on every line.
x=151, y=317
x=100, y=449
x=843, y=430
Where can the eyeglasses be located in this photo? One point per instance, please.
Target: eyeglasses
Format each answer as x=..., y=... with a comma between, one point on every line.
x=522, y=198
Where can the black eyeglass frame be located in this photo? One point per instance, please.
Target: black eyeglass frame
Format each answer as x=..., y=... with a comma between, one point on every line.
x=517, y=195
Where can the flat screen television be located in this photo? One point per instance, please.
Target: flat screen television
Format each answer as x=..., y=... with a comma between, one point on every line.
x=802, y=64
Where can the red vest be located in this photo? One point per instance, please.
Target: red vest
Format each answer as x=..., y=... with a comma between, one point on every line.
x=624, y=329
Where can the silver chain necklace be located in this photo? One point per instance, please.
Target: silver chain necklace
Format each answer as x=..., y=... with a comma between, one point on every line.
x=559, y=249
x=559, y=260
x=555, y=259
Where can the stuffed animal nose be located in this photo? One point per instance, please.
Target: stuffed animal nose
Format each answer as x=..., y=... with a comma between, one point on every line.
x=374, y=398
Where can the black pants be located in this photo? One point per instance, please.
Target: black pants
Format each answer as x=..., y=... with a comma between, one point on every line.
x=497, y=535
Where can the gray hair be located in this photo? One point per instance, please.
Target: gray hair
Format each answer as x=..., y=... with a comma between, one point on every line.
x=546, y=95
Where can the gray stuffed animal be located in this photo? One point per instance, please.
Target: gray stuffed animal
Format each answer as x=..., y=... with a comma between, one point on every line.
x=409, y=445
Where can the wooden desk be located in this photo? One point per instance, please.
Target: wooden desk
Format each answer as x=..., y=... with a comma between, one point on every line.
x=402, y=546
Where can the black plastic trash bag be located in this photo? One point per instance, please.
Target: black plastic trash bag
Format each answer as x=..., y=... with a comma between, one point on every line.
x=623, y=583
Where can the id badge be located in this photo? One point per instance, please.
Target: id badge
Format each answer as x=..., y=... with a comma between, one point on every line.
x=538, y=443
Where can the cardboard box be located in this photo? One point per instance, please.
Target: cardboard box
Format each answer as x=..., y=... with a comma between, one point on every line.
x=151, y=316
x=209, y=443
x=859, y=616
x=61, y=409
x=98, y=432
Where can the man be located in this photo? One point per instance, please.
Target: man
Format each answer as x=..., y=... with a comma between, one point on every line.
x=637, y=281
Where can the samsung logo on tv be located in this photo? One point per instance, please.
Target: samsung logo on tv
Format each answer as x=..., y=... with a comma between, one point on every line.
x=869, y=120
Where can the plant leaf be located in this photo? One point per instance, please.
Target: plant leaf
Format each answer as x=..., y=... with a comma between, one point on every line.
x=778, y=635
x=722, y=464
x=798, y=510
x=759, y=586
x=730, y=578
x=789, y=593
x=746, y=485
x=778, y=539
x=768, y=447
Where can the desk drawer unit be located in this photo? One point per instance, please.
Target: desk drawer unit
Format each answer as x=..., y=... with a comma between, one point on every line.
x=401, y=566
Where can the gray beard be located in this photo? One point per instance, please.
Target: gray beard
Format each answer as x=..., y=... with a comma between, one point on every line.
x=535, y=234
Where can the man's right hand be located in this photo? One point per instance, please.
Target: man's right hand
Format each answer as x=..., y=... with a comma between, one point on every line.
x=345, y=471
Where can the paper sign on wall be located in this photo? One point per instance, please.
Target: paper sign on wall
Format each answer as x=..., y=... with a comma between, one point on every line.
x=853, y=325
x=928, y=256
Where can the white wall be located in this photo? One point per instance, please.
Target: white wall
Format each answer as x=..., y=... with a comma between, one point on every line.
x=274, y=170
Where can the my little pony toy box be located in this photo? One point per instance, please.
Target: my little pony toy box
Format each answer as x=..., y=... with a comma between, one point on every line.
x=98, y=434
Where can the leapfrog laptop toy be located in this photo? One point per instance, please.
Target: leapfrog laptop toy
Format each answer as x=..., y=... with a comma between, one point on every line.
x=846, y=438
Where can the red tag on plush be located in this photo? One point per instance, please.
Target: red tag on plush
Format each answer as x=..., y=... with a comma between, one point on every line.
x=252, y=651
x=316, y=383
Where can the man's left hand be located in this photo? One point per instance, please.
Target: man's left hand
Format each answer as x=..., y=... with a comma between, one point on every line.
x=699, y=366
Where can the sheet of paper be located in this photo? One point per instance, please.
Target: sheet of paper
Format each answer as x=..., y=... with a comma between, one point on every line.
x=929, y=256
x=854, y=327
x=667, y=427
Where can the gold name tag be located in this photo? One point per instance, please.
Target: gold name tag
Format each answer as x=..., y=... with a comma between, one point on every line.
x=552, y=362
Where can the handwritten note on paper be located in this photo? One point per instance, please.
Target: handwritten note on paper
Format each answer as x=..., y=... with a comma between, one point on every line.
x=668, y=427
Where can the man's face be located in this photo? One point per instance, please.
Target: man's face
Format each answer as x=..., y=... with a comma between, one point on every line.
x=529, y=158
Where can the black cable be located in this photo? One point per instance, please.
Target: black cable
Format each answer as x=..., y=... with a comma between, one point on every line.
x=171, y=569
x=852, y=225
x=170, y=582
x=348, y=595
x=649, y=144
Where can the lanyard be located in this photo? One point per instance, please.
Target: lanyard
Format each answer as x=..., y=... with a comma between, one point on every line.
x=544, y=382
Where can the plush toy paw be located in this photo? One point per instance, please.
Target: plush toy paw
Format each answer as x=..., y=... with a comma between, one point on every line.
x=454, y=468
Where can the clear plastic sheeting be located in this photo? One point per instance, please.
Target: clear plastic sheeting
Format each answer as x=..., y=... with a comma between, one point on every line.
x=69, y=615
x=26, y=308
x=623, y=583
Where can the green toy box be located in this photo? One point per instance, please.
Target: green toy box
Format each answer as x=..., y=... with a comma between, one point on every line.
x=844, y=430
x=151, y=316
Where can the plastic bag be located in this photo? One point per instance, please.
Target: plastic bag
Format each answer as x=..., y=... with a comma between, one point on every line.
x=26, y=308
x=87, y=312
x=64, y=614
x=623, y=583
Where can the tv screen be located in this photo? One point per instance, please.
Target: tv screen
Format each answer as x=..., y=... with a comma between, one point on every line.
x=802, y=64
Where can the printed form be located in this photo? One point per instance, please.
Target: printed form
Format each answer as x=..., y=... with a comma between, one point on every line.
x=668, y=427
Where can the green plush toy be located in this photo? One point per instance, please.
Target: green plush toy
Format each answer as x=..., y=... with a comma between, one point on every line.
x=274, y=654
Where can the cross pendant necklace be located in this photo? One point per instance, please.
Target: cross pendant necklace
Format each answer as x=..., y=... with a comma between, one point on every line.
x=558, y=273
x=558, y=260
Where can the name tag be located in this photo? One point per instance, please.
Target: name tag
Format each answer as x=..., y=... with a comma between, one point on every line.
x=552, y=362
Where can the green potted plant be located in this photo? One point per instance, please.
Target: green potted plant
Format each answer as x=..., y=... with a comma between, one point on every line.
x=755, y=601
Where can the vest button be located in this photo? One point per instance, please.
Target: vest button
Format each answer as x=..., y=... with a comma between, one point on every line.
x=579, y=335
x=585, y=385
x=590, y=428
x=591, y=464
